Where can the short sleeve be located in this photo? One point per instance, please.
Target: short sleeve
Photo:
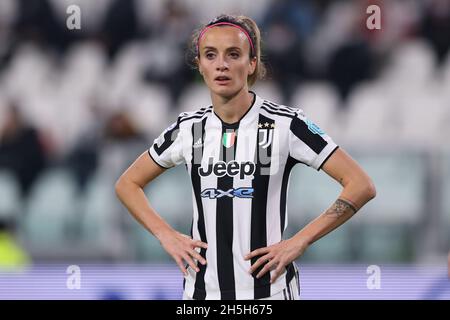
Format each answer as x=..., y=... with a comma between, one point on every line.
x=167, y=149
x=308, y=143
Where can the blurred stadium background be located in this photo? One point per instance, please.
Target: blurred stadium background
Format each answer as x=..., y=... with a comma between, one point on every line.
x=78, y=106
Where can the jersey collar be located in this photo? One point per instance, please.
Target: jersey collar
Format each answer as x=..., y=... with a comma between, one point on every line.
x=251, y=114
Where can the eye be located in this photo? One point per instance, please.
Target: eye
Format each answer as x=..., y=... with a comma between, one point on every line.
x=234, y=55
x=209, y=55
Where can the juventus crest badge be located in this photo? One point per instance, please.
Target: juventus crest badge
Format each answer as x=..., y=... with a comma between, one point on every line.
x=265, y=134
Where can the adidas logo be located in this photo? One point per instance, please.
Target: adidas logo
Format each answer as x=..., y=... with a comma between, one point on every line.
x=198, y=143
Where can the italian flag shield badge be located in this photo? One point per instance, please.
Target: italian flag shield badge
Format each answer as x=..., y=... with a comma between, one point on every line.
x=228, y=139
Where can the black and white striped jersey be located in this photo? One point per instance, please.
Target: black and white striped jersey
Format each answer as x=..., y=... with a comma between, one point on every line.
x=240, y=175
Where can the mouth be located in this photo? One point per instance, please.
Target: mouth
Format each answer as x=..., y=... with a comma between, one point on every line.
x=222, y=79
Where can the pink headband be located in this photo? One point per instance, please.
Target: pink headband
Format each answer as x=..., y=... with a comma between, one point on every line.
x=227, y=24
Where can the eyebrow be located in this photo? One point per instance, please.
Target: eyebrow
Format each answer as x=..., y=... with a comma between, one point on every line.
x=227, y=49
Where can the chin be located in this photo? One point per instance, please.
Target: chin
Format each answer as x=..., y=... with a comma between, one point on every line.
x=226, y=92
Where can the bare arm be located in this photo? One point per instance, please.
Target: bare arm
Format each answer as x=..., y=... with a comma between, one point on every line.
x=129, y=189
x=358, y=189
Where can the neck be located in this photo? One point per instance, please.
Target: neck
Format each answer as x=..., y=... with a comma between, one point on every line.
x=232, y=109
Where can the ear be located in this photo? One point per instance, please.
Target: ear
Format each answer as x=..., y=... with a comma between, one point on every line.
x=253, y=62
x=197, y=62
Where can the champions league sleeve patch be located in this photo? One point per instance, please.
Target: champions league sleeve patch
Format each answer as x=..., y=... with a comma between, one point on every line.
x=313, y=127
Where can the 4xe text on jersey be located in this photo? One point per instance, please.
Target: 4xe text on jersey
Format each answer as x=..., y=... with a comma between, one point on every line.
x=212, y=193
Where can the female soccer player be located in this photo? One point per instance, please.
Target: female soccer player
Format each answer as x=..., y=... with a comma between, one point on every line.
x=239, y=153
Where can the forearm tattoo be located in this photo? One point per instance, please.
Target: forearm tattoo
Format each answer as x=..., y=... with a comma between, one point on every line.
x=340, y=207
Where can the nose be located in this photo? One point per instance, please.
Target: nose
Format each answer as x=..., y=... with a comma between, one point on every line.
x=222, y=64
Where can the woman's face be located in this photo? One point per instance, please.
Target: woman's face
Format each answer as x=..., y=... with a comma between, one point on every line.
x=224, y=60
